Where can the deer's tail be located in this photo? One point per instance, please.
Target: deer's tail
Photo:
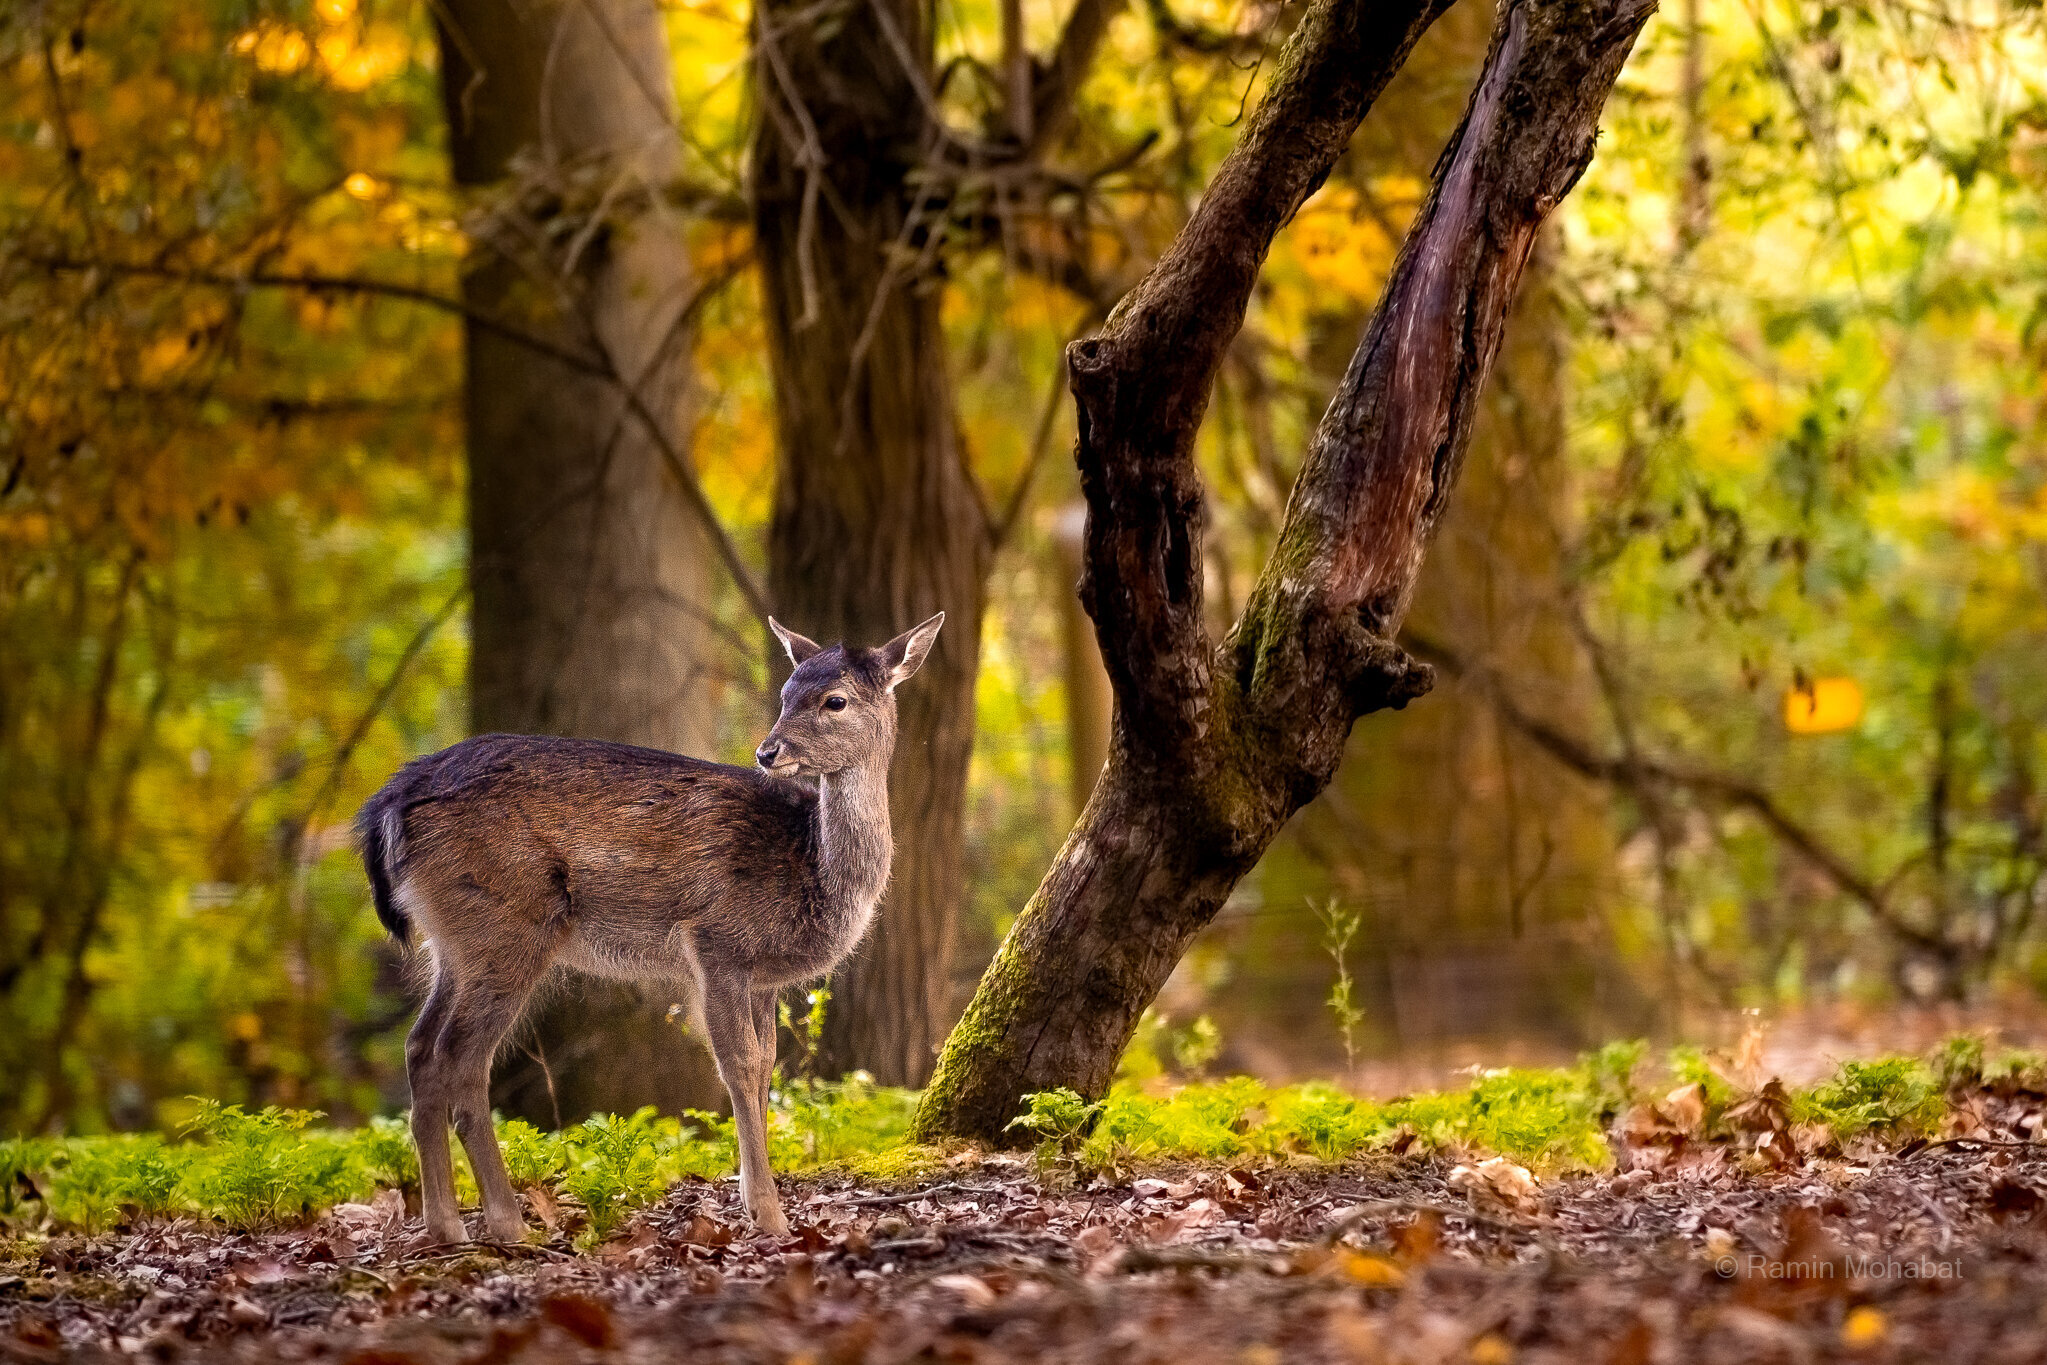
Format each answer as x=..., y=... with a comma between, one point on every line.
x=381, y=826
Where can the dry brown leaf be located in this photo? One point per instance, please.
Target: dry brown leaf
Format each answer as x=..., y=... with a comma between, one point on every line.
x=1500, y=1181
x=586, y=1319
x=1685, y=1108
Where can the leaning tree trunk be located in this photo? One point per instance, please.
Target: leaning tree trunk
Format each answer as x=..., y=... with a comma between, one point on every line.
x=876, y=523
x=1214, y=748
x=590, y=575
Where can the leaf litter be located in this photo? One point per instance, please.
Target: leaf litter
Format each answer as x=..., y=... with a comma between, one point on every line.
x=1738, y=1222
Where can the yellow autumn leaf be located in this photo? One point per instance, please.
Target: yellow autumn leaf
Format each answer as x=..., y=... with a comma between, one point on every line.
x=1491, y=1349
x=1865, y=1326
x=1823, y=706
x=1374, y=1272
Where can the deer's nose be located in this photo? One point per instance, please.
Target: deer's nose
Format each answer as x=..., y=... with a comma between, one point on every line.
x=765, y=755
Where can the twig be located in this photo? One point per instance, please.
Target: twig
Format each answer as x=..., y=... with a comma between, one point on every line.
x=1379, y=1208
x=1136, y=1260
x=1974, y=1142
x=872, y=1201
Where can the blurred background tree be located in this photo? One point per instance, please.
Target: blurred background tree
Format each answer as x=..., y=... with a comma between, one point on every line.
x=1770, y=420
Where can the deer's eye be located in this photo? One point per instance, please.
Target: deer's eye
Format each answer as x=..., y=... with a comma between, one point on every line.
x=834, y=703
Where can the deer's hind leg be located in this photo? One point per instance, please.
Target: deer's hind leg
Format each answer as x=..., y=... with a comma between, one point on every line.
x=484, y=1012
x=431, y=1113
x=486, y=964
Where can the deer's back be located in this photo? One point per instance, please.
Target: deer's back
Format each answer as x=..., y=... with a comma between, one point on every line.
x=609, y=851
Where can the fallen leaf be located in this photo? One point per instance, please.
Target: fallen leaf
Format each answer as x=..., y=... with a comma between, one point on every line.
x=540, y=1199
x=1500, y=1181
x=972, y=1288
x=1095, y=1240
x=1492, y=1349
x=586, y=1319
x=2011, y=1200
x=1685, y=1107
x=1864, y=1327
x=1417, y=1241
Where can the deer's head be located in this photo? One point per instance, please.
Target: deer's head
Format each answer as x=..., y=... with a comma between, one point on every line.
x=839, y=706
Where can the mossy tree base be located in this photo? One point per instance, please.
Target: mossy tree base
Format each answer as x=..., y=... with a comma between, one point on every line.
x=1215, y=748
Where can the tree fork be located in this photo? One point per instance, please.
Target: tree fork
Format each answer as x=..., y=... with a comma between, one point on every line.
x=1214, y=748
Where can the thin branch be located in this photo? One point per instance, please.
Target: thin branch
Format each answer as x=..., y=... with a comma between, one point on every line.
x=1634, y=771
x=598, y=366
x=1041, y=445
x=357, y=732
x=319, y=283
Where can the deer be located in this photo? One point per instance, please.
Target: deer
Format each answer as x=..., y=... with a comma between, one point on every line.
x=517, y=857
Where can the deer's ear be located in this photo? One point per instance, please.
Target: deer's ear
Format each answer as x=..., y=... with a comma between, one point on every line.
x=904, y=655
x=800, y=647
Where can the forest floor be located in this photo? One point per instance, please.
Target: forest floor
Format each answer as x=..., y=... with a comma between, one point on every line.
x=1924, y=1252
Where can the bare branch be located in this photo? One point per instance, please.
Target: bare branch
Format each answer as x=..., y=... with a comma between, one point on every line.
x=594, y=363
x=1635, y=771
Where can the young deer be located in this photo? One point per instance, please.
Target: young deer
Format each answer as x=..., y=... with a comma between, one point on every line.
x=518, y=854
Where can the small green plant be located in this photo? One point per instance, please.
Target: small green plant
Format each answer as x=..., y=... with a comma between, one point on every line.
x=383, y=1153
x=809, y=1031
x=1611, y=1072
x=834, y=1123
x=1061, y=1119
x=532, y=1157
x=1958, y=1062
x=1896, y=1093
x=1195, y=1046
x=263, y=1168
x=1339, y=927
x=618, y=1167
x=1192, y=1048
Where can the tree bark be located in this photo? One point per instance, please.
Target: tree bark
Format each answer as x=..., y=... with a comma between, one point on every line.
x=876, y=522
x=591, y=575
x=1214, y=748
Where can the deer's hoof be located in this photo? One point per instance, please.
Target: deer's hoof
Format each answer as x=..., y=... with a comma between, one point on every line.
x=508, y=1230
x=769, y=1220
x=443, y=1232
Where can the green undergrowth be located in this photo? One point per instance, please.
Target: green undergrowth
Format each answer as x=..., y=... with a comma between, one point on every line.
x=1554, y=1119
x=277, y=1167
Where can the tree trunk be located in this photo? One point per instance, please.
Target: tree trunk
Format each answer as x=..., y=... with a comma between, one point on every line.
x=590, y=574
x=1214, y=748
x=876, y=522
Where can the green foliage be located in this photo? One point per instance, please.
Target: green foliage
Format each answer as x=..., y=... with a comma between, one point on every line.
x=531, y=1156
x=1611, y=1072
x=1958, y=1063
x=1061, y=1119
x=821, y=1123
x=1339, y=927
x=95, y=1181
x=618, y=1166
x=271, y=1166
x=1191, y=1048
x=264, y=1168
x=1896, y=1093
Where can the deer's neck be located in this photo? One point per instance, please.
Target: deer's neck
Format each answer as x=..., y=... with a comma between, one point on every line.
x=854, y=842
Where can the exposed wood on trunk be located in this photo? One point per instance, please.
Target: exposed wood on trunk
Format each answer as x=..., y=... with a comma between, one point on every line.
x=1215, y=748
x=590, y=567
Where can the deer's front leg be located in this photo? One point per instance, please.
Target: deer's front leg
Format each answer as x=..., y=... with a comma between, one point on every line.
x=744, y=1066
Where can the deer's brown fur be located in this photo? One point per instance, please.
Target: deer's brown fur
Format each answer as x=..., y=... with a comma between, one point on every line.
x=516, y=855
